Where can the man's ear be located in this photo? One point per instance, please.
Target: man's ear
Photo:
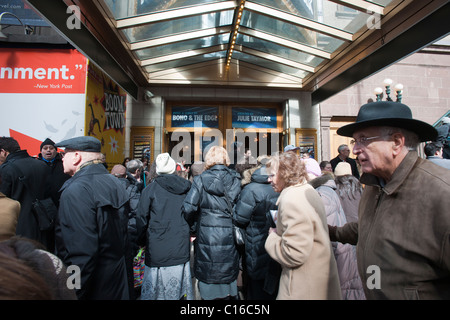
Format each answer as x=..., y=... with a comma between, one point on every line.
x=77, y=157
x=399, y=142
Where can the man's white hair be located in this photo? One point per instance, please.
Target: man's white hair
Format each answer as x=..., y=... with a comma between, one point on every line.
x=89, y=156
x=412, y=140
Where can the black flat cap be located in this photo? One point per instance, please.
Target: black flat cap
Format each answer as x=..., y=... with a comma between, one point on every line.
x=86, y=143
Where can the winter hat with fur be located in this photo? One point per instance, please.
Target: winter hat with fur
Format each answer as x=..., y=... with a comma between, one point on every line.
x=342, y=169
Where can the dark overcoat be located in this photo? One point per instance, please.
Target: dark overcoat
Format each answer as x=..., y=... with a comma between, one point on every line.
x=91, y=232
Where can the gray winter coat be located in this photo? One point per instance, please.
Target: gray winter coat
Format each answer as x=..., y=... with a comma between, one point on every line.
x=345, y=254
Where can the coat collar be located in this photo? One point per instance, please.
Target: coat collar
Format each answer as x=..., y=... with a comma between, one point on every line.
x=399, y=176
x=17, y=155
x=91, y=169
x=285, y=190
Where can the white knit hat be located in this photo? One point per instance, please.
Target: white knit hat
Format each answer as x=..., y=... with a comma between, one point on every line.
x=165, y=164
x=342, y=169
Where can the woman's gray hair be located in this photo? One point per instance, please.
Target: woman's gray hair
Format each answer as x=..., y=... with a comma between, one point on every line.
x=348, y=186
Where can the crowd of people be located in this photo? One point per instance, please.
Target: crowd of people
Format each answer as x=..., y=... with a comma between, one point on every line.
x=312, y=231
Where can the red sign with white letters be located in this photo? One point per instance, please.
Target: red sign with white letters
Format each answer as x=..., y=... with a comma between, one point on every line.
x=42, y=71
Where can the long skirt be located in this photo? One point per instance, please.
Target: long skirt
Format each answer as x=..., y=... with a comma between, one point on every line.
x=167, y=283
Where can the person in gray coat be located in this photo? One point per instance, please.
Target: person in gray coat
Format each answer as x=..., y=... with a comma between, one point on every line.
x=345, y=254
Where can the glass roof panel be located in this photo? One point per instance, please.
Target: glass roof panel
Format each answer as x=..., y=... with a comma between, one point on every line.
x=275, y=49
x=131, y=8
x=185, y=61
x=182, y=46
x=383, y=3
x=177, y=26
x=267, y=64
x=289, y=31
x=326, y=12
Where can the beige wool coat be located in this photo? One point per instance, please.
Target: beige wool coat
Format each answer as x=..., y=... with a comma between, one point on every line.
x=9, y=214
x=302, y=246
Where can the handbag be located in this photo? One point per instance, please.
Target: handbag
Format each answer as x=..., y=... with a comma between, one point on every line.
x=238, y=233
x=44, y=210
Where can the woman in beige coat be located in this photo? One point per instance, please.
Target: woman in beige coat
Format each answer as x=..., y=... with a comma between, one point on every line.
x=9, y=214
x=300, y=241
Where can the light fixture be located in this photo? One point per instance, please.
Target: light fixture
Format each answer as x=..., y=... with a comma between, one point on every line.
x=26, y=28
x=378, y=92
x=234, y=32
x=387, y=83
x=148, y=95
x=399, y=89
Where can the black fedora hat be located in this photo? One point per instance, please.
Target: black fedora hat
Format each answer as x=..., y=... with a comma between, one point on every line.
x=389, y=113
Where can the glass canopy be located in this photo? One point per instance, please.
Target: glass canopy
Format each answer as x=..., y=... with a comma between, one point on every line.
x=293, y=37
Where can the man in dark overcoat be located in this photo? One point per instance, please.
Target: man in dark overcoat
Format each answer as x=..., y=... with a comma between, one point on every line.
x=23, y=178
x=91, y=229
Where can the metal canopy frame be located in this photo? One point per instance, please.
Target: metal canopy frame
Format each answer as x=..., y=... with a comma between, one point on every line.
x=318, y=46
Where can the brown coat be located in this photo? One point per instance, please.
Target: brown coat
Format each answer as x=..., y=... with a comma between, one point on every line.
x=302, y=246
x=9, y=214
x=404, y=233
x=404, y=229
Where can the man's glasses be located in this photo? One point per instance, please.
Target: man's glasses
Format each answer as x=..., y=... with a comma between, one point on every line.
x=363, y=141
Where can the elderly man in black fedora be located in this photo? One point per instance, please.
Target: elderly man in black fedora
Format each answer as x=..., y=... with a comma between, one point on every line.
x=402, y=236
x=91, y=229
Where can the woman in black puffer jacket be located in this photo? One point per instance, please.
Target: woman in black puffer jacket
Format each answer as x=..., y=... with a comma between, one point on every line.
x=216, y=262
x=256, y=200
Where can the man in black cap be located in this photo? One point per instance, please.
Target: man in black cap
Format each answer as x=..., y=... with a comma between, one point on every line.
x=403, y=244
x=50, y=156
x=91, y=230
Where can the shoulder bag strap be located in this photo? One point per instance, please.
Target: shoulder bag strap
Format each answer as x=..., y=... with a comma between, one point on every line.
x=22, y=178
x=227, y=198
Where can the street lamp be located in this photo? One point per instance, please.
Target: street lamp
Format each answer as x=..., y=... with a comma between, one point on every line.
x=388, y=83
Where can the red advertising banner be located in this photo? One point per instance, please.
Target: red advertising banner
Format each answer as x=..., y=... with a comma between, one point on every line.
x=42, y=71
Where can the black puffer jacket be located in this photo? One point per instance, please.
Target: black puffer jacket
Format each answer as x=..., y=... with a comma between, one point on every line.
x=255, y=202
x=159, y=218
x=216, y=257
